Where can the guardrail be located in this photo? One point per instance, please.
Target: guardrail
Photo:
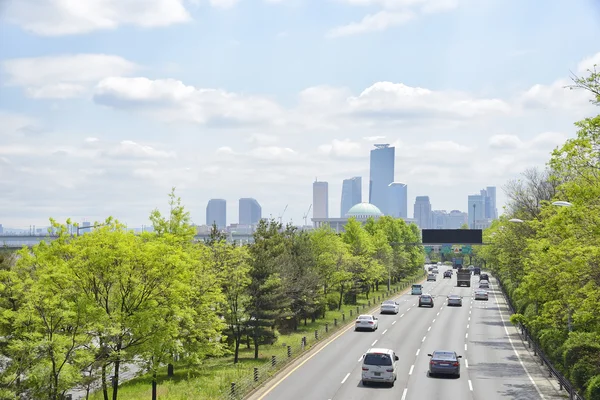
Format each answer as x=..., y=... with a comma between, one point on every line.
x=246, y=385
x=563, y=382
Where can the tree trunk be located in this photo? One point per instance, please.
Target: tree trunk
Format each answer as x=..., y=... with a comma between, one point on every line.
x=255, y=339
x=170, y=370
x=154, y=386
x=115, y=379
x=341, y=298
x=236, y=353
x=104, y=387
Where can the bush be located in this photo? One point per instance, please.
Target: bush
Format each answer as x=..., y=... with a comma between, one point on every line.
x=593, y=389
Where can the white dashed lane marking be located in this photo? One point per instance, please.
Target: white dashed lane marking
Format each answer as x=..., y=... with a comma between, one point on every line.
x=346, y=377
x=412, y=367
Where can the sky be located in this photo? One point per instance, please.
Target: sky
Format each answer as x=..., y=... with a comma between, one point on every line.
x=105, y=105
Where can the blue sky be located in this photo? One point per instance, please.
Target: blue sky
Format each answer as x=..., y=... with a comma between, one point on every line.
x=104, y=108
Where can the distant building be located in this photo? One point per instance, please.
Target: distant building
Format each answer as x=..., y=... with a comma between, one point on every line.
x=351, y=194
x=320, y=199
x=476, y=210
x=422, y=212
x=86, y=227
x=1, y=229
x=216, y=213
x=398, y=200
x=444, y=220
x=491, y=209
x=361, y=212
x=250, y=211
x=381, y=175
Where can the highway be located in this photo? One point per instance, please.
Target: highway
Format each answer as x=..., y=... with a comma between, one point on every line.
x=491, y=367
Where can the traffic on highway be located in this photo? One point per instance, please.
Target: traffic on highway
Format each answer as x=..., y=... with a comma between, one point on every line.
x=468, y=350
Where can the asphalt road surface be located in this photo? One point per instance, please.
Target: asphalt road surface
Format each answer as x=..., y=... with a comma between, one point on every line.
x=495, y=364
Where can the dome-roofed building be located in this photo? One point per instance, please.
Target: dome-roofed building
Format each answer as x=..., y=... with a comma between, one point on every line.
x=361, y=212
x=364, y=211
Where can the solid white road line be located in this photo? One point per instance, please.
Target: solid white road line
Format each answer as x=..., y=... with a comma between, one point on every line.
x=515, y=350
x=418, y=351
x=404, y=394
x=470, y=386
x=373, y=344
x=383, y=333
x=346, y=377
x=412, y=367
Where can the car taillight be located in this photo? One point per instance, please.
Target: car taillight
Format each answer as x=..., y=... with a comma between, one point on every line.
x=389, y=370
x=371, y=322
x=455, y=364
x=432, y=362
x=365, y=368
x=358, y=322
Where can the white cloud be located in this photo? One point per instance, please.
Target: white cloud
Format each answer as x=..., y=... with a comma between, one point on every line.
x=64, y=76
x=588, y=64
x=343, y=149
x=372, y=23
x=544, y=142
x=67, y=17
x=177, y=101
x=223, y=3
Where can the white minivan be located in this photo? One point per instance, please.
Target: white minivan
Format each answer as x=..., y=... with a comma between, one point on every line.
x=379, y=365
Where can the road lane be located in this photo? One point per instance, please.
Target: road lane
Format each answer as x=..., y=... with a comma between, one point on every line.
x=447, y=333
x=405, y=338
x=321, y=376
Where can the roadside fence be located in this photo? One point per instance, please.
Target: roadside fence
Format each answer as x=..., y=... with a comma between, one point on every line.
x=532, y=343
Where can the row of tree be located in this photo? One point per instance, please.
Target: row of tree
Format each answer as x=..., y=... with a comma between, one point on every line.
x=548, y=256
x=75, y=310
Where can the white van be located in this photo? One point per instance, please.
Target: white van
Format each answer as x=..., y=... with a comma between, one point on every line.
x=379, y=365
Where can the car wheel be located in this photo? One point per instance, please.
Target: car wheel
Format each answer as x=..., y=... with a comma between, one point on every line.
x=457, y=375
x=365, y=383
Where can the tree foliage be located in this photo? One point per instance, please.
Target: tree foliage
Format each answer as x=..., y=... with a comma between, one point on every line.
x=80, y=310
x=550, y=263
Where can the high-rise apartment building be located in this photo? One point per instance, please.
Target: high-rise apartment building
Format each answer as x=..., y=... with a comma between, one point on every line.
x=320, y=199
x=216, y=213
x=422, y=212
x=381, y=175
x=492, y=210
x=351, y=194
x=482, y=207
x=398, y=200
x=250, y=211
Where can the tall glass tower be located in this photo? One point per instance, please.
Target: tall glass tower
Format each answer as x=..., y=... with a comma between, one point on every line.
x=216, y=212
x=351, y=194
x=381, y=175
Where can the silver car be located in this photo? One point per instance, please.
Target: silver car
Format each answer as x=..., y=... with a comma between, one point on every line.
x=366, y=322
x=454, y=300
x=444, y=362
x=484, y=285
x=481, y=295
x=390, y=307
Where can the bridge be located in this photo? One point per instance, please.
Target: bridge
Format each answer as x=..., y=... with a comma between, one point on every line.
x=18, y=241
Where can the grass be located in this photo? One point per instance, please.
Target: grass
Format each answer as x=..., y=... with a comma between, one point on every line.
x=213, y=379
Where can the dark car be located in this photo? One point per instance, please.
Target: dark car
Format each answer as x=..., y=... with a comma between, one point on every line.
x=484, y=277
x=476, y=271
x=448, y=274
x=425, y=300
x=444, y=362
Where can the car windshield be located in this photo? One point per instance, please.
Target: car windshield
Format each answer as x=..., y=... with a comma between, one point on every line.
x=365, y=317
x=378, y=359
x=444, y=355
x=453, y=296
x=389, y=303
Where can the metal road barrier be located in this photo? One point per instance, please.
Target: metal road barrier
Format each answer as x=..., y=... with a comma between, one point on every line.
x=563, y=382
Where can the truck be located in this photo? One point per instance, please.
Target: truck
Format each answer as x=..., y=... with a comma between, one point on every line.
x=463, y=278
x=457, y=263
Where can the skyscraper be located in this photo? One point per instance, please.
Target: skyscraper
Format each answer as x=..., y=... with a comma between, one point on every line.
x=398, y=200
x=493, y=211
x=423, y=214
x=320, y=199
x=250, y=211
x=216, y=212
x=476, y=209
x=351, y=194
x=381, y=175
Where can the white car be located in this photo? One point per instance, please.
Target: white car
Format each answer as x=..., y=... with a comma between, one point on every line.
x=431, y=277
x=481, y=294
x=390, y=307
x=379, y=365
x=368, y=322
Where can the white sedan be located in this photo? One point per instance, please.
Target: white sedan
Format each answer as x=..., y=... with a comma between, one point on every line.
x=390, y=307
x=367, y=322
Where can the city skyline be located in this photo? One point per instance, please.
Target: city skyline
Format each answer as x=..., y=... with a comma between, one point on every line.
x=103, y=117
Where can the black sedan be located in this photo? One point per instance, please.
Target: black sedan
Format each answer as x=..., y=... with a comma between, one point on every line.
x=444, y=362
